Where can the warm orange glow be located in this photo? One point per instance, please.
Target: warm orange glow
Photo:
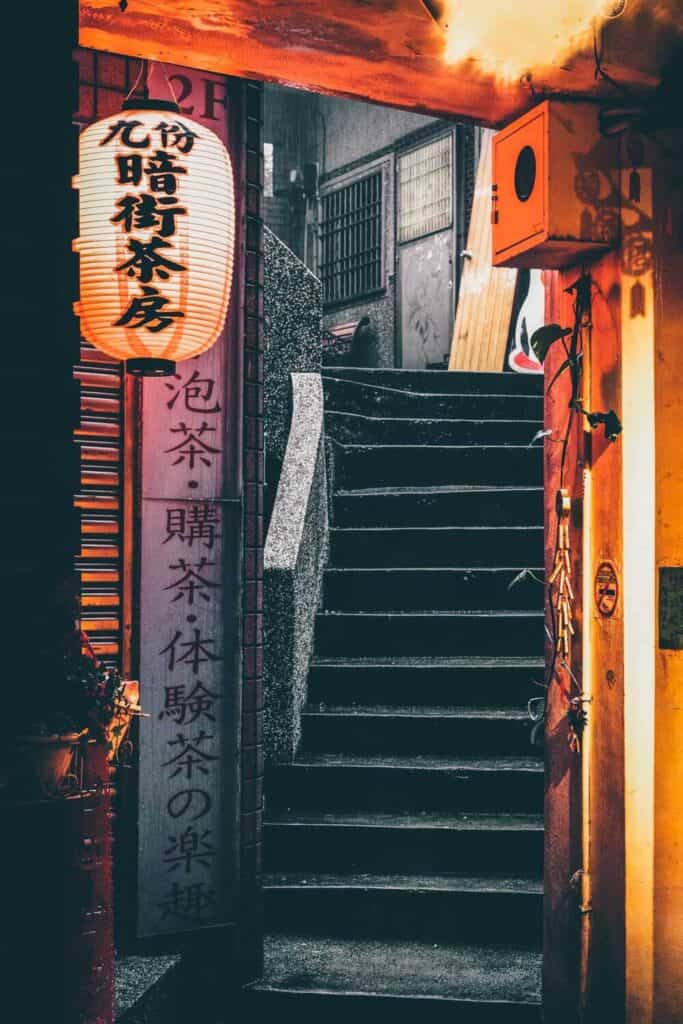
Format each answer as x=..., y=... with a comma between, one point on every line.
x=509, y=39
x=389, y=53
x=197, y=237
x=640, y=639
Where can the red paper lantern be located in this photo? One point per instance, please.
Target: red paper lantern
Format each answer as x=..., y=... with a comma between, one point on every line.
x=157, y=236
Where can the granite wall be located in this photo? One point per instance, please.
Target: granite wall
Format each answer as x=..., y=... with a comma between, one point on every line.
x=295, y=556
x=292, y=307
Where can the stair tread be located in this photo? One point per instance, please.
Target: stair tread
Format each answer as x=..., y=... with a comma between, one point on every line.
x=403, y=420
x=418, y=711
x=432, y=568
x=440, y=613
x=436, y=394
x=436, y=489
x=450, y=824
x=364, y=446
x=454, y=662
x=430, y=394
x=433, y=529
x=419, y=762
x=404, y=882
x=462, y=822
x=490, y=974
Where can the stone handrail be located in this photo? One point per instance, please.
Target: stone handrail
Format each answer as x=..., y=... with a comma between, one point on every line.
x=295, y=555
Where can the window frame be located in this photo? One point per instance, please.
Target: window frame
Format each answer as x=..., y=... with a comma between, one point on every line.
x=334, y=184
x=402, y=152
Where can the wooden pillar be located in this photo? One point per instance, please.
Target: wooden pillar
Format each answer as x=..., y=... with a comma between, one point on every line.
x=603, y=971
x=584, y=946
x=563, y=768
x=630, y=645
x=638, y=453
x=667, y=587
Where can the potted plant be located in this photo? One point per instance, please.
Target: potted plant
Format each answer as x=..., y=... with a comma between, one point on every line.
x=71, y=698
x=114, y=731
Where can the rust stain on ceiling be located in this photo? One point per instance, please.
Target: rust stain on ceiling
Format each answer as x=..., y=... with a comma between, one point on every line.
x=386, y=51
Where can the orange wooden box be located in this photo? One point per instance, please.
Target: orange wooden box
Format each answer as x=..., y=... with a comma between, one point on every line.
x=555, y=187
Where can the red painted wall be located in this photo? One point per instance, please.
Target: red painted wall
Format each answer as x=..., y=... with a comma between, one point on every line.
x=570, y=993
x=563, y=775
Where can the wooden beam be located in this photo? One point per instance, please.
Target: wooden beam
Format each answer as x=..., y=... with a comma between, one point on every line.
x=387, y=52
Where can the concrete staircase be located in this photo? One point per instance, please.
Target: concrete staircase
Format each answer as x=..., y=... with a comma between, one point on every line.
x=404, y=844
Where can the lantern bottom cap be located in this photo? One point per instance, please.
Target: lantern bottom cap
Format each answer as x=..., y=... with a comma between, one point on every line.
x=150, y=367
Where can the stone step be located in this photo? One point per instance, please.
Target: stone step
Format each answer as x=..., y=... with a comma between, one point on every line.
x=432, y=589
x=444, y=381
x=313, y=978
x=478, y=682
x=403, y=783
x=404, y=844
x=370, y=400
x=147, y=988
x=426, y=908
x=436, y=547
x=494, y=844
x=439, y=506
x=354, y=428
x=423, y=634
x=358, y=465
x=377, y=730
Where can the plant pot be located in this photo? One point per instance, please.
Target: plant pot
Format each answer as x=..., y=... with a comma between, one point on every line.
x=116, y=733
x=39, y=765
x=126, y=707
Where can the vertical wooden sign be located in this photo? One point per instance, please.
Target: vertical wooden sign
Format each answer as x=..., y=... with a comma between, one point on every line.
x=189, y=613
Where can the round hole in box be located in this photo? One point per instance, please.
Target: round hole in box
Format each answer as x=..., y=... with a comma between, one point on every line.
x=525, y=173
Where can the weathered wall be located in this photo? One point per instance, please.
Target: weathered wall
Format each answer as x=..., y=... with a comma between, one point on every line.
x=359, y=138
x=352, y=129
x=381, y=308
x=347, y=139
x=292, y=312
x=292, y=124
x=305, y=127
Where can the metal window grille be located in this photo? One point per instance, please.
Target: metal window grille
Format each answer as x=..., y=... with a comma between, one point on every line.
x=425, y=178
x=351, y=239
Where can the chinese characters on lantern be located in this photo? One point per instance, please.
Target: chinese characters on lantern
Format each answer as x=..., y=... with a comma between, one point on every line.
x=156, y=243
x=149, y=163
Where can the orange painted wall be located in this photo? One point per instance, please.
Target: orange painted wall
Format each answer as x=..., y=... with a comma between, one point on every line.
x=668, y=783
x=563, y=792
x=604, y=981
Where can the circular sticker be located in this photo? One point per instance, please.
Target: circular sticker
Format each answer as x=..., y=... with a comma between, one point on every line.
x=606, y=589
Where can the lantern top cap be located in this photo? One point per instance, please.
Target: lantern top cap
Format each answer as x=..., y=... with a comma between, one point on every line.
x=142, y=104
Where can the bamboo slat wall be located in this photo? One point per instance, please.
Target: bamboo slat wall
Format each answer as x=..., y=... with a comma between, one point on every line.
x=482, y=318
x=103, y=435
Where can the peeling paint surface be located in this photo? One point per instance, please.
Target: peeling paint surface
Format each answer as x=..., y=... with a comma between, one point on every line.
x=391, y=51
